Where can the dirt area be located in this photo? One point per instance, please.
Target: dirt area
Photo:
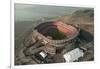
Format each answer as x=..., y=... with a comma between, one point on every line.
x=81, y=19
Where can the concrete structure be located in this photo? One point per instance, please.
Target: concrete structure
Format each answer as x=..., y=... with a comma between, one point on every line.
x=39, y=47
x=70, y=31
x=73, y=55
x=39, y=40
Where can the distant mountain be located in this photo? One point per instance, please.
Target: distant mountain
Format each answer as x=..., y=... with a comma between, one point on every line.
x=83, y=15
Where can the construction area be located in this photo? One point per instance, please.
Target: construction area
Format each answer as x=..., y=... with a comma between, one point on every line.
x=51, y=42
x=61, y=40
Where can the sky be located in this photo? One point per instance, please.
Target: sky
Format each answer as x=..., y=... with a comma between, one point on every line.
x=32, y=12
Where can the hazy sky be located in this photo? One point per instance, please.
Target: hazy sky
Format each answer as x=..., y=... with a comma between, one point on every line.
x=29, y=12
